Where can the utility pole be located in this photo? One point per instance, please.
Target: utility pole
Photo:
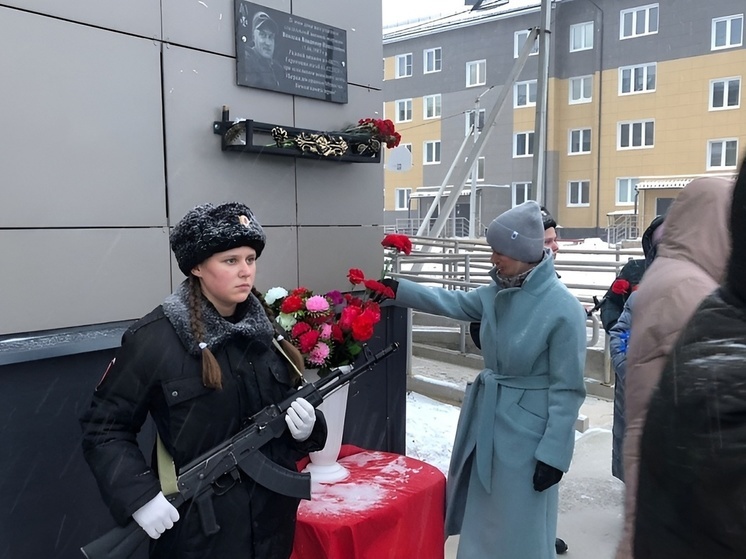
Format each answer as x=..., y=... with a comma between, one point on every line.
x=474, y=172
x=542, y=94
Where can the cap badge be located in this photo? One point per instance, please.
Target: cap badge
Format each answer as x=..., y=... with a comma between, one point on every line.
x=514, y=235
x=243, y=220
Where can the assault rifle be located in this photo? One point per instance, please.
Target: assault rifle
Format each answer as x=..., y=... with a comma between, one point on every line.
x=239, y=453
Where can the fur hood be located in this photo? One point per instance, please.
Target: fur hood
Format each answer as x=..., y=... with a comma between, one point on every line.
x=253, y=325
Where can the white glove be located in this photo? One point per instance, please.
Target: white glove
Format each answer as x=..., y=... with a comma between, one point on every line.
x=156, y=516
x=300, y=418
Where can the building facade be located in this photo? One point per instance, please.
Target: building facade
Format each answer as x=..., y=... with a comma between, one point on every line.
x=642, y=97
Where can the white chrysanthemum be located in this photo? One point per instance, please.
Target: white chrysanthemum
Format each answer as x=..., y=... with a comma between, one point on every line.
x=275, y=293
x=287, y=321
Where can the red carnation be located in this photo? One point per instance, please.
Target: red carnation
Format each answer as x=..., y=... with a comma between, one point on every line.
x=299, y=329
x=362, y=326
x=355, y=276
x=308, y=341
x=620, y=286
x=291, y=304
x=400, y=243
x=378, y=287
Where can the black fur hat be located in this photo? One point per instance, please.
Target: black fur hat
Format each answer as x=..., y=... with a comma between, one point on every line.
x=208, y=229
x=547, y=219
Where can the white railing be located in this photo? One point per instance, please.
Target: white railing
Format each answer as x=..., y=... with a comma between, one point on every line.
x=465, y=263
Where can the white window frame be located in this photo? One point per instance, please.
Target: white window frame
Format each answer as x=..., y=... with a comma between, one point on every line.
x=576, y=187
x=480, y=170
x=407, y=109
x=470, y=120
x=437, y=60
x=404, y=194
x=428, y=147
x=481, y=72
x=627, y=184
x=582, y=81
x=406, y=60
x=642, y=70
x=581, y=133
x=527, y=192
x=726, y=90
x=723, y=143
x=528, y=141
x=636, y=12
x=730, y=42
x=436, y=101
x=519, y=39
x=583, y=32
x=526, y=87
x=631, y=134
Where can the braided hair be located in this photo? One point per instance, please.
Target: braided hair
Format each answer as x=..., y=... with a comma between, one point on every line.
x=212, y=376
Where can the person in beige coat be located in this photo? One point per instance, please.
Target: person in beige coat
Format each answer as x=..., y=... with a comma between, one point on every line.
x=691, y=262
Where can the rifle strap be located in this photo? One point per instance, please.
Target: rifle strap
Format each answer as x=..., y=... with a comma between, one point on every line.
x=294, y=367
x=166, y=468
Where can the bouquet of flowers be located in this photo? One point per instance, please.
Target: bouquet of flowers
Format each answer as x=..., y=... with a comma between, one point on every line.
x=377, y=132
x=330, y=329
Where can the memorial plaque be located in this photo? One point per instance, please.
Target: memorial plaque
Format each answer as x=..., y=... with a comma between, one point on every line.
x=288, y=54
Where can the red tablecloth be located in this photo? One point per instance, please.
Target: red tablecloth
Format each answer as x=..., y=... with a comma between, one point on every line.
x=390, y=507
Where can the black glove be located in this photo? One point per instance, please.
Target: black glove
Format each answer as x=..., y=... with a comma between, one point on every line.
x=545, y=476
x=390, y=283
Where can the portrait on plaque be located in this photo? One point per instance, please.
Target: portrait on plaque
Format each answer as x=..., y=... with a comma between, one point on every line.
x=288, y=54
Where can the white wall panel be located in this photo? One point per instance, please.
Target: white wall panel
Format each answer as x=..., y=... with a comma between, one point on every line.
x=83, y=124
x=58, y=278
x=139, y=17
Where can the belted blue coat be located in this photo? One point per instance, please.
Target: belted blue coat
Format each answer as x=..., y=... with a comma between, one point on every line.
x=521, y=408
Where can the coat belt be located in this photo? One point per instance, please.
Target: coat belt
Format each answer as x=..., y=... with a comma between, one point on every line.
x=482, y=403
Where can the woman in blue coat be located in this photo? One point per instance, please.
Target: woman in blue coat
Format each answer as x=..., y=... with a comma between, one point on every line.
x=515, y=434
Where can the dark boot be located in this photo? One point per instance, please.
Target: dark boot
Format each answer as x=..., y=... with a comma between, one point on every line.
x=560, y=546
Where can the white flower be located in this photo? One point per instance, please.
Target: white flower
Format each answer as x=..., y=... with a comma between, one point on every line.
x=287, y=321
x=275, y=293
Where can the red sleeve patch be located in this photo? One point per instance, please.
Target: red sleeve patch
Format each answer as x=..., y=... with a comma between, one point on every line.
x=106, y=372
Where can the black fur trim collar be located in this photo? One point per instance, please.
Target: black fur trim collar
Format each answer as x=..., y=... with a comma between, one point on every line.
x=253, y=324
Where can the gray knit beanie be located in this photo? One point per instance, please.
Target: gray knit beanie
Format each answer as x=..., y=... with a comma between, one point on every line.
x=518, y=233
x=208, y=229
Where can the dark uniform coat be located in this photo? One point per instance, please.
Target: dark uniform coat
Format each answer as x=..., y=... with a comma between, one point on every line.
x=158, y=371
x=691, y=500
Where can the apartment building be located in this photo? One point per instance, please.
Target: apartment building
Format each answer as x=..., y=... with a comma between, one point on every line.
x=642, y=98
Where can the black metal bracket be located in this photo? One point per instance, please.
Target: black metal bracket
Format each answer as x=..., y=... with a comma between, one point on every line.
x=250, y=136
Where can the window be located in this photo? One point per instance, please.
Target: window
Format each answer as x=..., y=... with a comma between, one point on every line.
x=581, y=89
x=579, y=141
x=722, y=154
x=403, y=110
x=519, y=39
x=639, y=134
x=524, y=94
x=521, y=192
x=638, y=21
x=402, y=198
x=431, y=106
x=470, y=121
x=403, y=65
x=523, y=144
x=725, y=93
x=432, y=60
x=431, y=153
x=578, y=193
x=581, y=36
x=476, y=73
x=480, y=171
x=637, y=79
x=727, y=32
x=625, y=191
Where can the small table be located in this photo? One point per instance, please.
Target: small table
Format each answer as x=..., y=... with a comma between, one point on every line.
x=390, y=507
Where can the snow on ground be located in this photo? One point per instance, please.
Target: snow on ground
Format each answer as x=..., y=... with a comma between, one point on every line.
x=431, y=428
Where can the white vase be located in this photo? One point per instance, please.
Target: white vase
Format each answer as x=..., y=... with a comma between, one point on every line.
x=323, y=466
